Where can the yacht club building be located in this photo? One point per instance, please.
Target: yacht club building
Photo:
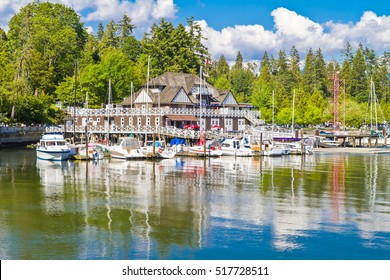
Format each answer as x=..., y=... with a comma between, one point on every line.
x=172, y=101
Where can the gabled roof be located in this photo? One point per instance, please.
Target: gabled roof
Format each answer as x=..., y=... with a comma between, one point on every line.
x=185, y=80
x=168, y=86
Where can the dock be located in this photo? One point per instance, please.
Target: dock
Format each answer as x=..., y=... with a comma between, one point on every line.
x=352, y=150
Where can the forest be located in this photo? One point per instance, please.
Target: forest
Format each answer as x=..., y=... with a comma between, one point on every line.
x=47, y=58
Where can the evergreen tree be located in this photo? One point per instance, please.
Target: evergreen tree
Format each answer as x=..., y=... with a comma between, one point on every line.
x=294, y=65
x=371, y=61
x=239, y=61
x=110, y=38
x=174, y=49
x=222, y=67
x=320, y=73
x=100, y=32
x=359, y=84
x=309, y=75
x=347, y=52
x=125, y=29
x=345, y=78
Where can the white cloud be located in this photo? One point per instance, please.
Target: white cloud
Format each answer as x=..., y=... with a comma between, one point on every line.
x=289, y=29
x=250, y=39
x=292, y=29
x=142, y=12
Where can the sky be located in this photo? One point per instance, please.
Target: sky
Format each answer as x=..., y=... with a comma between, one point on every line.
x=249, y=26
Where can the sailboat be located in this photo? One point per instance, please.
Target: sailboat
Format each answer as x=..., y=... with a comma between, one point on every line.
x=157, y=148
x=383, y=140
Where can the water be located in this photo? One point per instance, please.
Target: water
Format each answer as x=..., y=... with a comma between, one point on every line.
x=324, y=206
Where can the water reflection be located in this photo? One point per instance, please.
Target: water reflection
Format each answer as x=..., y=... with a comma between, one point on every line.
x=255, y=208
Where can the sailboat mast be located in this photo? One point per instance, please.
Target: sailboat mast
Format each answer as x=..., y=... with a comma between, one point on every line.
x=273, y=111
x=147, y=103
x=200, y=98
x=373, y=104
x=108, y=110
x=293, y=111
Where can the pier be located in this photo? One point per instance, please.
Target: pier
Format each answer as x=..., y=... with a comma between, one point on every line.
x=14, y=136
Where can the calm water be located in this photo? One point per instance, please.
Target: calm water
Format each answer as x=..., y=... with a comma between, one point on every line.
x=328, y=206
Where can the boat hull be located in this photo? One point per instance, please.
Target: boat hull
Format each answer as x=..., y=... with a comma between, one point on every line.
x=199, y=150
x=53, y=155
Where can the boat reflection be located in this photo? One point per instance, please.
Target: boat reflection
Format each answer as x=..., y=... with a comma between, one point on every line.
x=162, y=209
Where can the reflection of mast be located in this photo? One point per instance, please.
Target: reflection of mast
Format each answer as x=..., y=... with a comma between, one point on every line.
x=372, y=179
x=108, y=110
x=108, y=205
x=336, y=90
x=338, y=169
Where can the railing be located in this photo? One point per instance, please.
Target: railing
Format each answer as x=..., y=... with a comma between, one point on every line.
x=252, y=116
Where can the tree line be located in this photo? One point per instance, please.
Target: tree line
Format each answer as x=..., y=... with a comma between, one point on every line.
x=48, y=58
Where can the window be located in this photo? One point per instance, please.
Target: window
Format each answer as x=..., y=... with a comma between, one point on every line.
x=122, y=121
x=157, y=121
x=131, y=121
x=148, y=121
x=139, y=121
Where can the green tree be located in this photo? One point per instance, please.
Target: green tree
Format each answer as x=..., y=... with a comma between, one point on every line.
x=100, y=32
x=125, y=29
x=345, y=77
x=294, y=64
x=359, y=85
x=321, y=78
x=110, y=36
x=238, y=64
x=309, y=75
x=175, y=49
x=347, y=52
x=45, y=39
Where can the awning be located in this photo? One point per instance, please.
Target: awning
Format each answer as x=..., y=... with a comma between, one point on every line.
x=190, y=118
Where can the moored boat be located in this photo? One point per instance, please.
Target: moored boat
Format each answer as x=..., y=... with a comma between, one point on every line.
x=234, y=147
x=53, y=146
x=127, y=148
x=159, y=148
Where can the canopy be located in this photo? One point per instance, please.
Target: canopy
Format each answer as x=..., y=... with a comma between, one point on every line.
x=182, y=118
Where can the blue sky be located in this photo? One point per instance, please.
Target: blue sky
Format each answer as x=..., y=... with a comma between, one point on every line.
x=249, y=26
x=222, y=13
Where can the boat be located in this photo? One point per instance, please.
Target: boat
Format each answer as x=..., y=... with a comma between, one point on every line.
x=160, y=149
x=95, y=152
x=53, y=146
x=269, y=149
x=127, y=148
x=328, y=142
x=211, y=148
x=202, y=151
x=234, y=147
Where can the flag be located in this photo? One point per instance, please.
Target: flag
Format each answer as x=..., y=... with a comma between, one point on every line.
x=209, y=62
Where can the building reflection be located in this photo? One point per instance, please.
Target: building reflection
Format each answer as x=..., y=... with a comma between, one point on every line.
x=146, y=209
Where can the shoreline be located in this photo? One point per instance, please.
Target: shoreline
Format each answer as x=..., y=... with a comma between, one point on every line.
x=350, y=150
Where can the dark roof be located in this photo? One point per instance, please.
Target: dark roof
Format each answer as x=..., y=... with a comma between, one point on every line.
x=171, y=83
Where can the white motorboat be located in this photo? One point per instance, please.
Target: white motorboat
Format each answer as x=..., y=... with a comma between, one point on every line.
x=208, y=151
x=95, y=152
x=234, y=147
x=53, y=146
x=127, y=148
x=160, y=149
x=269, y=149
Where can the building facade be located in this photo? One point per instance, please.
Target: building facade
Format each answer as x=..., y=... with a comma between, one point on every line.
x=172, y=101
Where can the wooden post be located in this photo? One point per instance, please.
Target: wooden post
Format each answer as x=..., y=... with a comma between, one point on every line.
x=86, y=141
x=204, y=145
x=384, y=136
x=261, y=144
x=302, y=146
x=154, y=145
